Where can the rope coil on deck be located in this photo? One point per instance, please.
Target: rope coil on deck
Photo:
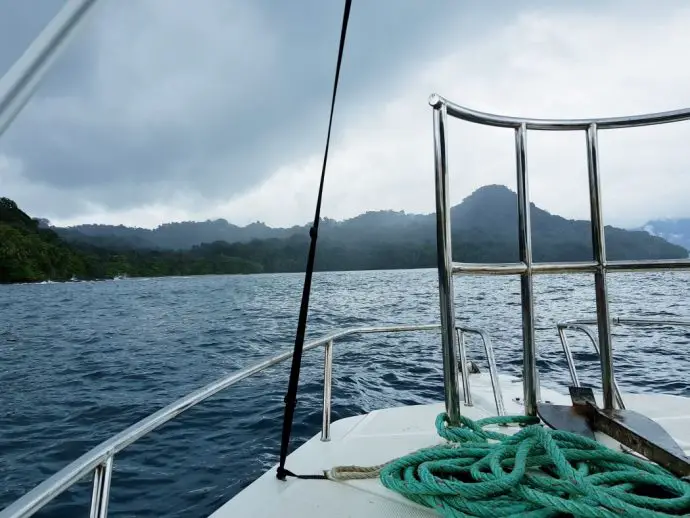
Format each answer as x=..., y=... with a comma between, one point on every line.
x=538, y=472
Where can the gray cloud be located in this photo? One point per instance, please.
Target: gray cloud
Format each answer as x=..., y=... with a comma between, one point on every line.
x=167, y=109
x=20, y=22
x=160, y=96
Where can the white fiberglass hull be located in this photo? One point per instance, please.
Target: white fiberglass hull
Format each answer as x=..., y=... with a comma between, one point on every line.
x=382, y=435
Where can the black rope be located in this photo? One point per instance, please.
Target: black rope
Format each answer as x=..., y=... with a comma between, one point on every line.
x=287, y=472
x=291, y=396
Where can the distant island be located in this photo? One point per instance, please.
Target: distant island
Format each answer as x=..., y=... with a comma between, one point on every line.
x=484, y=230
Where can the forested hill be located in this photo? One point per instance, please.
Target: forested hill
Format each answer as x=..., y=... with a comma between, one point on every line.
x=31, y=253
x=484, y=229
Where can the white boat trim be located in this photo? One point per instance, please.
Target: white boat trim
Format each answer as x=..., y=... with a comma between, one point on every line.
x=383, y=435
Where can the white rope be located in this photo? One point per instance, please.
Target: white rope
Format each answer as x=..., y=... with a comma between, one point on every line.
x=354, y=472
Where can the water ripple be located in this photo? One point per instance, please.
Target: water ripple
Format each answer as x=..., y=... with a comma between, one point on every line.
x=81, y=361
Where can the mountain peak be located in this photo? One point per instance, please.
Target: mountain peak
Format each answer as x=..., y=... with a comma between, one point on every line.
x=496, y=188
x=494, y=192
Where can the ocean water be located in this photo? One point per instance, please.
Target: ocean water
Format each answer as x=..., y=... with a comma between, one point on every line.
x=82, y=361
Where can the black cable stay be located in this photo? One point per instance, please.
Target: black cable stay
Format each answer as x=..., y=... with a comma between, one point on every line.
x=291, y=396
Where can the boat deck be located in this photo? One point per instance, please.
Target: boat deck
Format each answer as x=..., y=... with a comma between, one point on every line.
x=385, y=434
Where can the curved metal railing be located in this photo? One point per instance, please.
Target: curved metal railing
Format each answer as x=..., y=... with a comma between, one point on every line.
x=526, y=268
x=505, y=121
x=100, y=458
x=585, y=326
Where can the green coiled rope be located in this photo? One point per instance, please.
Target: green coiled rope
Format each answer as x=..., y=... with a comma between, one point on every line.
x=538, y=472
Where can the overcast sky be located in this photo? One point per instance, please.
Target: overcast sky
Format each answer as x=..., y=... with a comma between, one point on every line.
x=168, y=110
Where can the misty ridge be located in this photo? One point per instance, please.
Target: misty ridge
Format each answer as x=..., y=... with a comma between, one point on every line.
x=484, y=228
x=676, y=231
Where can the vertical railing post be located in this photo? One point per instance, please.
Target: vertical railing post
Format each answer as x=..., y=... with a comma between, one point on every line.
x=327, y=377
x=451, y=366
x=568, y=357
x=599, y=253
x=97, y=488
x=101, y=489
x=493, y=373
x=529, y=349
x=462, y=347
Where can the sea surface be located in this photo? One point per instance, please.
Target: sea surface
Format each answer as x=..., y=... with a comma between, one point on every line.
x=82, y=361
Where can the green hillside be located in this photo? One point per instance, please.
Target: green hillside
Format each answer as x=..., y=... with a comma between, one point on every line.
x=484, y=230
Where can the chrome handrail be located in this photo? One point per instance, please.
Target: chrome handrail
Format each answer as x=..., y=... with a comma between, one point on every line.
x=100, y=458
x=633, y=321
x=493, y=373
x=526, y=268
x=651, y=265
x=504, y=121
x=583, y=325
x=22, y=79
x=571, y=362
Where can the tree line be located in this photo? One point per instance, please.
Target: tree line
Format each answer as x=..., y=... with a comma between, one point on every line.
x=484, y=230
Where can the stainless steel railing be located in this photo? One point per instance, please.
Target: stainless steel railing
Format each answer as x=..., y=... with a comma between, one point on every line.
x=100, y=458
x=491, y=360
x=526, y=268
x=585, y=326
x=19, y=83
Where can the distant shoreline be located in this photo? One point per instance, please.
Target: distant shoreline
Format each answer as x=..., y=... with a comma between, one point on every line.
x=317, y=272
x=137, y=277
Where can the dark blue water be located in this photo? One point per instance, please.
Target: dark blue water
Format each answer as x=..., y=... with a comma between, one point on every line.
x=81, y=361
